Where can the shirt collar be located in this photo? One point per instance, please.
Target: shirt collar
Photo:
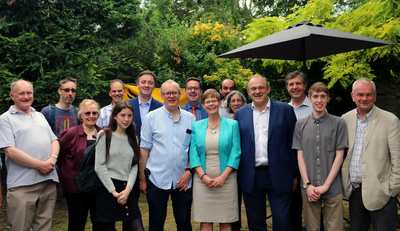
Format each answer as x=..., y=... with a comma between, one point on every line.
x=169, y=114
x=148, y=103
x=306, y=103
x=15, y=111
x=321, y=119
x=197, y=105
x=266, y=107
x=367, y=116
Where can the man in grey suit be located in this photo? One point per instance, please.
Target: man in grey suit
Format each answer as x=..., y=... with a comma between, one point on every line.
x=371, y=170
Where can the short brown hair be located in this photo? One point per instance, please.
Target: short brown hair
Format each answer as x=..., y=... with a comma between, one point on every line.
x=210, y=93
x=318, y=87
x=147, y=73
x=66, y=80
x=115, y=81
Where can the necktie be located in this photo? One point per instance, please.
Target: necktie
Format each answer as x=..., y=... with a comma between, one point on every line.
x=194, y=112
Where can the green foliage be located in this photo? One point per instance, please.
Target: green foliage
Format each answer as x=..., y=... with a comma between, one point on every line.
x=228, y=69
x=375, y=20
x=184, y=51
x=47, y=41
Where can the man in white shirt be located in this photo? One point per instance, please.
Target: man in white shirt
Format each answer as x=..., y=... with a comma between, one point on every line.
x=117, y=91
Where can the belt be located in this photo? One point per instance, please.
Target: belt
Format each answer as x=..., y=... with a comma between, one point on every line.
x=262, y=167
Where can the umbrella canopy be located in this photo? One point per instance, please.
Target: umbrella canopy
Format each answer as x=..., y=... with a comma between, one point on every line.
x=304, y=41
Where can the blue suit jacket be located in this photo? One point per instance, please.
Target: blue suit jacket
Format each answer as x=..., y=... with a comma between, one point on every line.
x=282, y=159
x=188, y=108
x=136, y=112
x=228, y=144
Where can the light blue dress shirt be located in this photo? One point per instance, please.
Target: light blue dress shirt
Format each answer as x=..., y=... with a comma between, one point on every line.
x=304, y=110
x=144, y=108
x=169, y=144
x=105, y=114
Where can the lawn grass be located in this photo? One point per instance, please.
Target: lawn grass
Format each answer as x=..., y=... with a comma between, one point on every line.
x=60, y=218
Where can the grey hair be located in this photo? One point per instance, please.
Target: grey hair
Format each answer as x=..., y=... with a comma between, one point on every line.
x=294, y=74
x=227, y=102
x=15, y=82
x=365, y=81
x=170, y=81
x=257, y=76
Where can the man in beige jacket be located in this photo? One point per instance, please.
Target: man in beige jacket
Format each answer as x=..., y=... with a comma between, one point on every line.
x=371, y=170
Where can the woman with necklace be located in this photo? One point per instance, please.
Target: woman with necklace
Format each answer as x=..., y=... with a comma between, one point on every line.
x=116, y=164
x=73, y=143
x=215, y=154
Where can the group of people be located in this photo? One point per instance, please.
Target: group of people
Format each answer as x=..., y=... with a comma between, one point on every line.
x=210, y=152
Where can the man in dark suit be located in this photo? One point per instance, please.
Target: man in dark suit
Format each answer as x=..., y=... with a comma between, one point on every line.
x=268, y=165
x=193, y=93
x=143, y=104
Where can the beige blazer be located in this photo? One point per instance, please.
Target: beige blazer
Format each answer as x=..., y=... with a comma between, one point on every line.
x=380, y=161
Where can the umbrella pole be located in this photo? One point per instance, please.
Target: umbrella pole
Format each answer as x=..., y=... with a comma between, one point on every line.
x=303, y=54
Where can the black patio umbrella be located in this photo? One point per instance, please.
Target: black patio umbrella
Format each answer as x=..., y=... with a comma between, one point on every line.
x=304, y=41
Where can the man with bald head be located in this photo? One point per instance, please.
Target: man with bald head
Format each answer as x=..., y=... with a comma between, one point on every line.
x=31, y=150
x=371, y=170
x=227, y=86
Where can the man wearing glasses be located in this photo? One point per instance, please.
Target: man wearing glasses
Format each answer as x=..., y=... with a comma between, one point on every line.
x=164, y=146
x=63, y=115
x=193, y=93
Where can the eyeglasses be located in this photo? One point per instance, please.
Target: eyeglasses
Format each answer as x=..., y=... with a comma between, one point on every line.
x=192, y=88
x=211, y=102
x=93, y=113
x=168, y=94
x=368, y=95
x=68, y=90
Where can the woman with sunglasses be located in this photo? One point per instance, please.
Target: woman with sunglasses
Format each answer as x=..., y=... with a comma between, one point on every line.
x=215, y=154
x=73, y=143
x=116, y=164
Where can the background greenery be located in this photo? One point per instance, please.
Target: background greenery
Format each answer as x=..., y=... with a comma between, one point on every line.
x=97, y=41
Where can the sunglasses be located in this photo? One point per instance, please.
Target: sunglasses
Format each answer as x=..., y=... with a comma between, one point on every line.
x=93, y=113
x=68, y=90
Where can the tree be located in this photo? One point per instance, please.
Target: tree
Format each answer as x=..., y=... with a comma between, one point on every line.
x=45, y=41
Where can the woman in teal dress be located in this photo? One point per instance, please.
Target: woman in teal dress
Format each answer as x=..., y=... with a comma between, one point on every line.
x=215, y=154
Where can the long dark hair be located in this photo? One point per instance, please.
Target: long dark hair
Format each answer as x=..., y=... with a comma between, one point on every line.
x=130, y=131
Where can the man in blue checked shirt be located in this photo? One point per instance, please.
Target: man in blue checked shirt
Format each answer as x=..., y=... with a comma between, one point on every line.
x=165, y=141
x=371, y=170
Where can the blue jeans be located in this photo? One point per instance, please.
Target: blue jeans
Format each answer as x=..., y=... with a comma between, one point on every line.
x=383, y=219
x=255, y=203
x=158, y=202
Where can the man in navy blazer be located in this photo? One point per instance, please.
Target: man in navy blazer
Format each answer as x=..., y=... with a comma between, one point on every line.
x=193, y=93
x=268, y=166
x=143, y=104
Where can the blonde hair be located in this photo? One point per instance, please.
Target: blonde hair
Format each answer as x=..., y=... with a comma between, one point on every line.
x=85, y=103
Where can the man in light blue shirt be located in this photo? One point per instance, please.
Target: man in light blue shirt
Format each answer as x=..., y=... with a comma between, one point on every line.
x=296, y=84
x=164, y=146
x=117, y=91
x=193, y=93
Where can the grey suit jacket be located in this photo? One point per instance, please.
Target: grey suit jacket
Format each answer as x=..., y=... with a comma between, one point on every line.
x=380, y=161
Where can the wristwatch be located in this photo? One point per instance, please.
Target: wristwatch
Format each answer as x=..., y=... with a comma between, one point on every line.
x=190, y=170
x=305, y=185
